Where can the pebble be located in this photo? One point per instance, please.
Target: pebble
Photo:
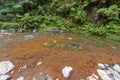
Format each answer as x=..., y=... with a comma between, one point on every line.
x=69, y=38
x=20, y=78
x=66, y=71
x=23, y=67
x=93, y=77
x=39, y=63
x=45, y=44
x=57, y=79
x=48, y=77
x=102, y=66
x=12, y=72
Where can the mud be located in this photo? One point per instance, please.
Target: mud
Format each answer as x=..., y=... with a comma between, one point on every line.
x=33, y=50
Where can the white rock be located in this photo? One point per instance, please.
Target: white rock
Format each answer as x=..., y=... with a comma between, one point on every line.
x=117, y=67
x=20, y=78
x=69, y=38
x=102, y=66
x=48, y=77
x=66, y=71
x=103, y=75
x=57, y=79
x=39, y=63
x=41, y=73
x=93, y=77
x=115, y=73
x=23, y=67
x=6, y=66
x=4, y=77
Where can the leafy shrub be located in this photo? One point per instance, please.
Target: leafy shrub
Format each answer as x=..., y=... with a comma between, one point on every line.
x=111, y=12
x=9, y=25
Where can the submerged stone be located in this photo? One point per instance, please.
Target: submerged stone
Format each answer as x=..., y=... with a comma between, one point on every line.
x=55, y=31
x=42, y=76
x=28, y=37
x=74, y=46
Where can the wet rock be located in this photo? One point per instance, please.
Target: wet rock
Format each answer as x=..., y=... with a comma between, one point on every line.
x=35, y=29
x=116, y=75
x=74, y=46
x=28, y=37
x=20, y=78
x=4, y=77
x=66, y=71
x=19, y=30
x=23, y=67
x=42, y=77
x=5, y=32
x=55, y=31
x=93, y=77
x=103, y=75
x=116, y=67
x=5, y=67
x=48, y=77
x=102, y=66
x=109, y=72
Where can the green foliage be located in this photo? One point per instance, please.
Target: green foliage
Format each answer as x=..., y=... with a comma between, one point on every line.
x=113, y=28
x=78, y=14
x=27, y=21
x=17, y=8
x=110, y=12
x=91, y=28
x=9, y=25
x=69, y=15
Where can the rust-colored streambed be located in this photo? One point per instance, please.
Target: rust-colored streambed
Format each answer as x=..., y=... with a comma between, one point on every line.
x=54, y=51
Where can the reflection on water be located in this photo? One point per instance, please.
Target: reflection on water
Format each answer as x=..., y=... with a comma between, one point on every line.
x=75, y=42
